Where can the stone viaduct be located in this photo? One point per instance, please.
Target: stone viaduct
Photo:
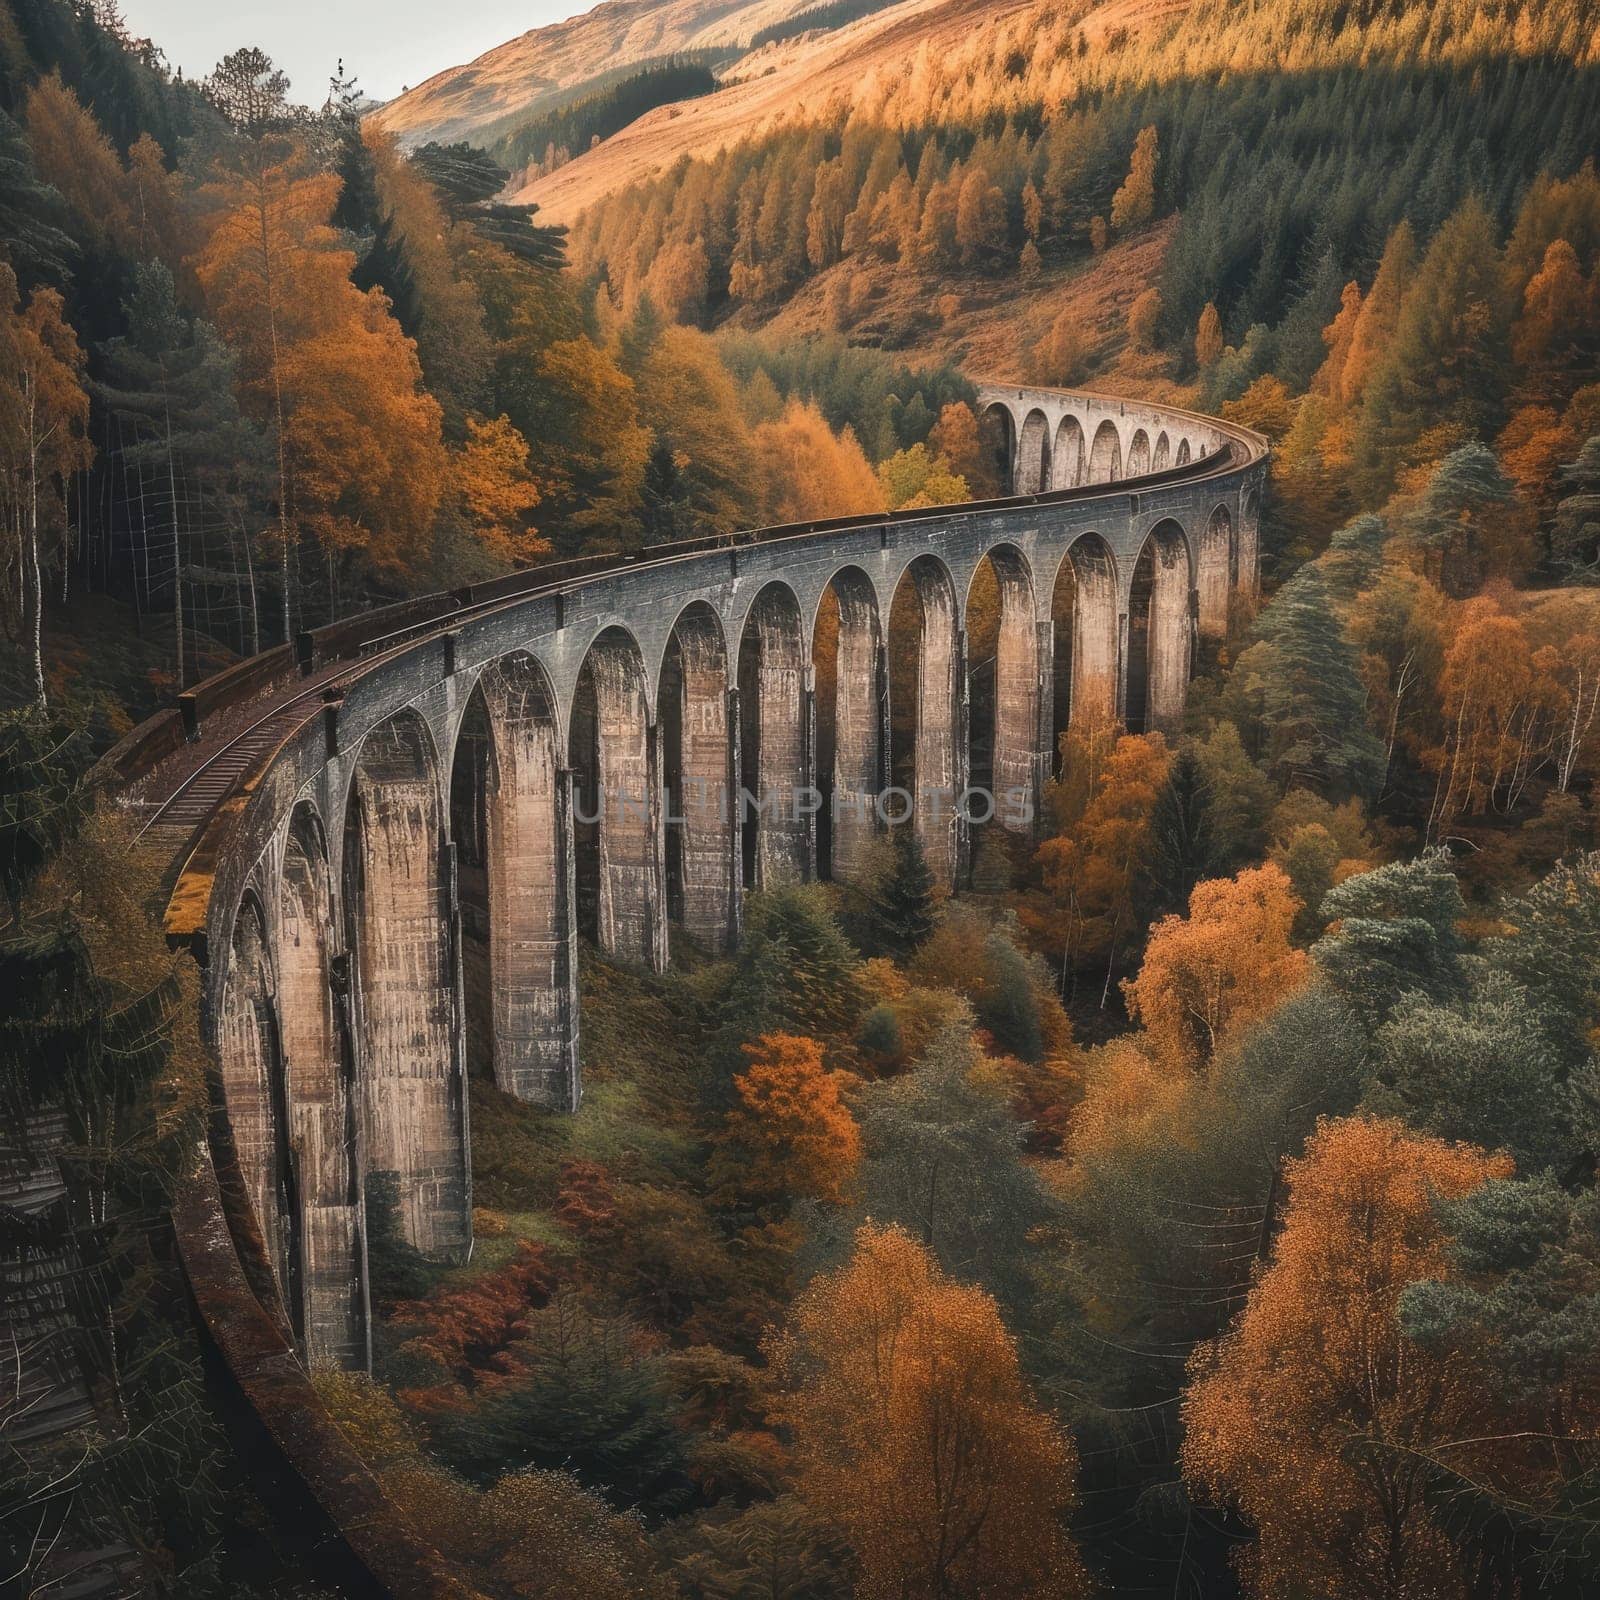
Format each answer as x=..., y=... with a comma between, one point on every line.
x=388, y=839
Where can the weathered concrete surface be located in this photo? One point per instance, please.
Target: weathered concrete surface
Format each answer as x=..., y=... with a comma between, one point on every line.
x=414, y=1109
x=1070, y=464
x=698, y=754
x=617, y=806
x=1015, y=761
x=532, y=959
x=252, y=1082
x=626, y=723
x=1167, y=679
x=1033, y=455
x=1138, y=461
x=332, y=1317
x=1105, y=454
x=857, y=725
x=329, y=1504
x=1215, y=573
x=776, y=740
x=1094, y=633
x=938, y=766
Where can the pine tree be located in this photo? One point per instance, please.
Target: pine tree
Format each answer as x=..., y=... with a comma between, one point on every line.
x=170, y=381
x=1447, y=364
x=903, y=906
x=1397, y=933
x=1181, y=844
x=1575, y=528
x=1298, y=692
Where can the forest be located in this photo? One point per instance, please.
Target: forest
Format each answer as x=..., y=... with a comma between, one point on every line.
x=1203, y=1200
x=543, y=142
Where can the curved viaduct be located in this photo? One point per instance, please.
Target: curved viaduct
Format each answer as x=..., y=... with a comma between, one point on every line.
x=387, y=840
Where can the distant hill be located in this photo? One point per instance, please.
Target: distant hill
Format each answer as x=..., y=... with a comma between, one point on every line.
x=541, y=68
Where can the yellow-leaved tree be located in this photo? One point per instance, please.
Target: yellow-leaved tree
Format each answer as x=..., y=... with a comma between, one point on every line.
x=325, y=367
x=1314, y=1413
x=916, y=1435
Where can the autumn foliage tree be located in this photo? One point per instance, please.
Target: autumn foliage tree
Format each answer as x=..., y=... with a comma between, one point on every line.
x=789, y=1132
x=915, y=1433
x=359, y=455
x=1208, y=976
x=1094, y=872
x=1315, y=1414
x=1135, y=202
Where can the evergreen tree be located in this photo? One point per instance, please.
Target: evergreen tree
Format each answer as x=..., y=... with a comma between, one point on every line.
x=902, y=909
x=31, y=234
x=170, y=381
x=1397, y=934
x=1297, y=695
x=1447, y=365
x=1464, y=492
x=1575, y=528
x=1480, y=1068
x=1181, y=845
x=1522, y=1305
x=1551, y=949
x=943, y=1158
x=588, y=1402
x=1009, y=1004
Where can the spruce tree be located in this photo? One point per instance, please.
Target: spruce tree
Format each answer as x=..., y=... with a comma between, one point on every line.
x=903, y=907
x=170, y=381
x=1181, y=844
x=1575, y=529
x=1299, y=685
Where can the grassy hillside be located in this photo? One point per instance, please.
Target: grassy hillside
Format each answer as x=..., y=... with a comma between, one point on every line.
x=529, y=74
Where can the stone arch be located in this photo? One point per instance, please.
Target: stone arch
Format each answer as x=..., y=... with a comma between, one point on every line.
x=1105, y=455
x=1248, y=560
x=1003, y=686
x=319, y=1062
x=1033, y=454
x=1139, y=454
x=254, y=1091
x=1162, y=458
x=1214, y=573
x=401, y=935
x=696, y=754
x=1069, y=461
x=613, y=745
x=851, y=672
x=1159, y=631
x=928, y=746
x=1083, y=614
x=998, y=435
x=510, y=820
x=1184, y=456
x=775, y=740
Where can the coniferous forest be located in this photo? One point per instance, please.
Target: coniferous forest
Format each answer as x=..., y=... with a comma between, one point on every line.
x=1201, y=1201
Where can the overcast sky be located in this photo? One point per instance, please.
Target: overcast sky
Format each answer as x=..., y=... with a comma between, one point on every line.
x=387, y=44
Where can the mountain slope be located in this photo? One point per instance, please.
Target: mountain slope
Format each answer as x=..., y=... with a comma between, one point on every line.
x=526, y=73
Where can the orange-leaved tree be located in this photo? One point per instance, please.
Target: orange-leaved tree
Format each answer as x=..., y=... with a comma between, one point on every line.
x=1095, y=871
x=916, y=1435
x=1207, y=976
x=789, y=1134
x=497, y=489
x=812, y=471
x=1315, y=1414
x=360, y=460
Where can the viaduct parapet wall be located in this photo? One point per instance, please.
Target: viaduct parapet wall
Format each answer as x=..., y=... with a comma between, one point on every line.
x=388, y=841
